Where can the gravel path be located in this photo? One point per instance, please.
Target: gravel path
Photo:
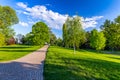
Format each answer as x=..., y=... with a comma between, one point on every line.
x=29, y=67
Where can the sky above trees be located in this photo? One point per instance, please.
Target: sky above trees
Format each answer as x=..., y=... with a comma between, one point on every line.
x=55, y=12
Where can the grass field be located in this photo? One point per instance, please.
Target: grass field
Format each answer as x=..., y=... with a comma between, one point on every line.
x=15, y=51
x=62, y=64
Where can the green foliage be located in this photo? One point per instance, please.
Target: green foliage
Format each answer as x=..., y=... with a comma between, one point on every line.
x=52, y=38
x=28, y=39
x=86, y=44
x=59, y=42
x=73, y=34
x=8, y=18
x=97, y=40
x=112, y=33
x=2, y=40
x=117, y=20
x=8, y=32
x=40, y=32
x=64, y=35
x=61, y=64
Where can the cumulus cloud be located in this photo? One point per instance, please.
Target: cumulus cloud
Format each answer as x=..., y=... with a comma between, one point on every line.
x=90, y=22
x=40, y=12
x=22, y=5
x=53, y=19
x=23, y=24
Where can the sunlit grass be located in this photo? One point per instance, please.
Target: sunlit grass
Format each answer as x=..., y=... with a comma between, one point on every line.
x=62, y=64
x=15, y=51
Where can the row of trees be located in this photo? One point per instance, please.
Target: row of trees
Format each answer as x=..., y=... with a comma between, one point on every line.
x=75, y=37
x=40, y=32
x=40, y=35
x=111, y=30
x=8, y=18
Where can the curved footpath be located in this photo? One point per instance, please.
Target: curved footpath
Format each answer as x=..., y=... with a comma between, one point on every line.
x=29, y=67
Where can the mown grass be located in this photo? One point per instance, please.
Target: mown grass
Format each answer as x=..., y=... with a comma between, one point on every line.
x=62, y=64
x=15, y=51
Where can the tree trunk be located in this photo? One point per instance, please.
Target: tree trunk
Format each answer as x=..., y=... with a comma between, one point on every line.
x=74, y=49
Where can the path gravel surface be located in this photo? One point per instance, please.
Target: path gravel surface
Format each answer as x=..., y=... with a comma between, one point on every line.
x=29, y=67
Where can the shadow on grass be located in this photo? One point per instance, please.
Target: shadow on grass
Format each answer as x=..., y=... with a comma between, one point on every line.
x=94, y=51
x=13, y=47
x=82, y=69
x=23, y=50
x=20, y=71
x=114, y=58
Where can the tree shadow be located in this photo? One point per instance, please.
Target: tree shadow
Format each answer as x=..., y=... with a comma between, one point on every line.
x=18, y=50
x=82, y=69
x=15, y=47
x=21, y=71
x=23, y=50
x=114, y=58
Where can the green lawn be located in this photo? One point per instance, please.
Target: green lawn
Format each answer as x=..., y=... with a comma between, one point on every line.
x=62, y=64
x=15, y=51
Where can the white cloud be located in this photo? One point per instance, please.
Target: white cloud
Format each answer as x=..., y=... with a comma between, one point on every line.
x=23, y=24
x=53, y=19
x=93, y=18
x=39, y=12
x=20, y=4
x=90, y=22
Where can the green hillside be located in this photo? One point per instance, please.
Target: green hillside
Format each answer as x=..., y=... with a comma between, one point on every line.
x=62, y=64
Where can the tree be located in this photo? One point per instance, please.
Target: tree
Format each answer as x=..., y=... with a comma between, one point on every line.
x=65, y=42
x=97, y=40
x=11, y=41
x=40, y=33
x=8, y=18
x=28, y=39
x=112, y=33
x=73, y=33
x=59, y=42
x=52, y=38
x=2, y=39
x=86, y=43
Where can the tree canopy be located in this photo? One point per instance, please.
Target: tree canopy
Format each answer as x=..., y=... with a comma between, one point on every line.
x=97, y=40
x=40, y=32
x=8, y=18
x=73, y=33
x=111, y=30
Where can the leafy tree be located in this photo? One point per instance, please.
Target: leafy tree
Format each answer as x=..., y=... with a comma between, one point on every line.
x=8, y=33
x=86, y=43
x=114, y=36
x=11, y=41
x=112, y=33
x=59, y=42
x=8, y=18
x=28, y=39
x=65, y=33
x=73, y=33
x=117, y=20
x=97, y=40
x=40, y=33
x=2, y=39
x=52, y=38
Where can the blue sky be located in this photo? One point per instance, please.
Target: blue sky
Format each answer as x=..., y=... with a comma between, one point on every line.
x=54, y=13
